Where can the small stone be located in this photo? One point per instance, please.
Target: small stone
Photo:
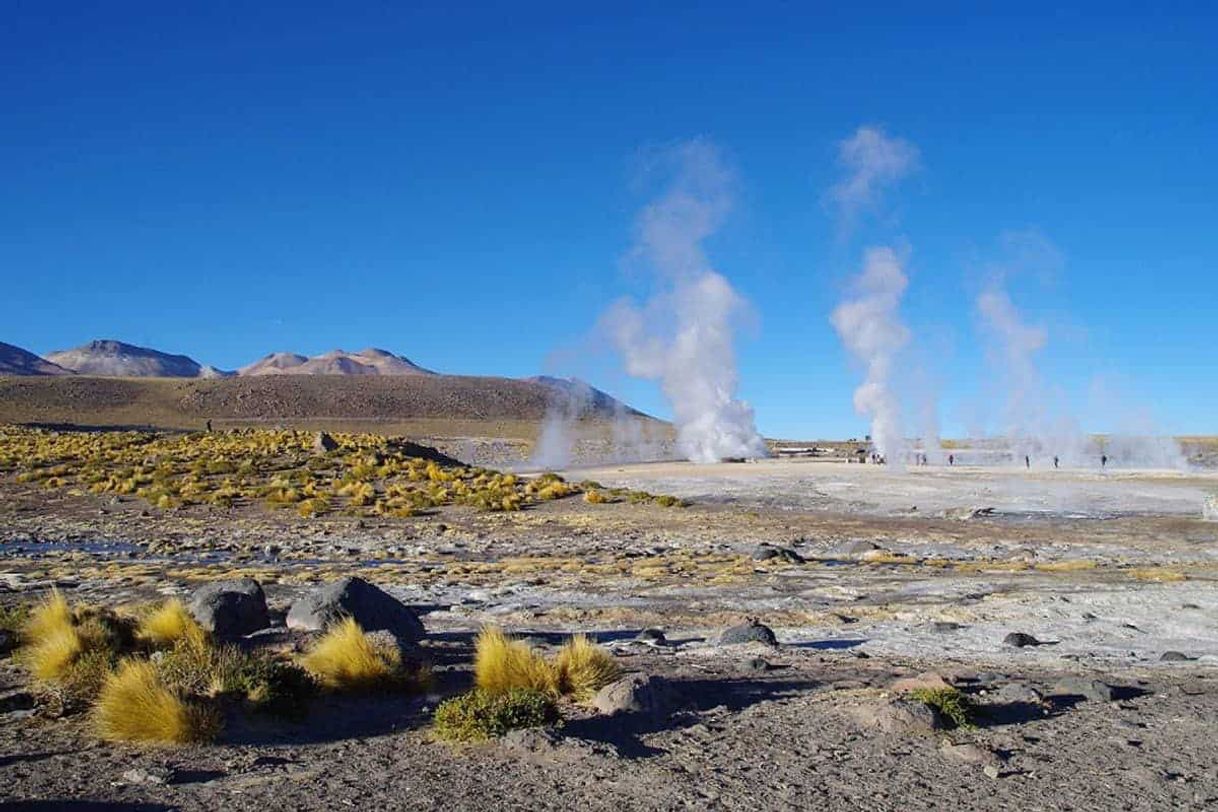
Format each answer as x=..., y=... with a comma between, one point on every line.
x=900, y=716
x=1015, y=693
x=652, y=637
x=944, y=626
x=927, y=681
x=148, y=775
x=1087, y=688
x=991, y=771
x=16, y=701
x=965, y=753
x=758, y=664
x=8, y=642
x=1176, y=657
x=750, y=632
x=634, y=693
x=1020, y=640
x=323, y=443
x=851, y=548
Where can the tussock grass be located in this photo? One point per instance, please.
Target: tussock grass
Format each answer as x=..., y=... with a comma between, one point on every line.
x=135, y=705
x=49, y=617
x=583, y=668
x=169, y=624
x=480, y=715
x=502, y=664
x=347, y=659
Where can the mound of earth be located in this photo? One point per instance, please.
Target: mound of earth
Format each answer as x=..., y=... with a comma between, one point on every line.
x=371, y=361
x=117, y=359
x=16, y=361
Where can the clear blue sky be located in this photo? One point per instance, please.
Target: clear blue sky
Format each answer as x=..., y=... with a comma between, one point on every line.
x=454, y=183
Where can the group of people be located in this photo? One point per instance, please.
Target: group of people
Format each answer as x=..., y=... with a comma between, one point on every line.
x=921, y=459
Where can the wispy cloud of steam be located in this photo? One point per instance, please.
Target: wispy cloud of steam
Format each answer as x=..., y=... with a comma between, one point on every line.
x=873, y=162
x=684, y=336
x=870, y=326
x=1038, y=421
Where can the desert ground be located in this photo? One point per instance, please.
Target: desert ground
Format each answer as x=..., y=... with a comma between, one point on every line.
x=1076, y=610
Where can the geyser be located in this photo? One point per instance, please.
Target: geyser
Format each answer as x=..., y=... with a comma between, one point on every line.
x=684, y=335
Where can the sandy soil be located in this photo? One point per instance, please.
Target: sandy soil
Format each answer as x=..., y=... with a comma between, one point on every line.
x=1109, y=569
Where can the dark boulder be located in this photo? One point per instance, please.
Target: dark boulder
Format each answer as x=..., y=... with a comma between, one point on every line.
x=368, y=605
x=230, y=609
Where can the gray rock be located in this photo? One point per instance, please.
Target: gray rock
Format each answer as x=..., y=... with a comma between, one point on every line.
x=1209, y=510
x=8, y=642
x=767, y=552
x=652, y=637
x=634, y=693
x=323, y=443
x=900, y=717
x=149, y=775
x=751, y=632
x=1020, y=640
x=1176, y=657
x=1018, y=693
x=944, y=626
x=851, y=548
x=11, y=701
x=966, y=753
x=370, y=606
x=230, y=608
x=759, y=664
x=991, y=771
x=1091, y=689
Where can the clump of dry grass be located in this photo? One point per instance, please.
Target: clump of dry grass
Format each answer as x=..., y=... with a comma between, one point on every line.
x=348, y=659
x=502, y=664
x=583, y=668
x=135, y=705
x=168, y=624
x=50, y=616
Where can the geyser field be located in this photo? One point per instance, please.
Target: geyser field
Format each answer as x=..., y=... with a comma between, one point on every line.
x=776, y=633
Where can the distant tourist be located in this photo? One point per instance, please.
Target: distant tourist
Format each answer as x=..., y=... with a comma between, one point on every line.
x=1055, y=460
x=1027, y=461
x=1103, y=460
x=951, y=459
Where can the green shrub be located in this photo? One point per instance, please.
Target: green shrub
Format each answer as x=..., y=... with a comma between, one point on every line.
x=478, y=715
x=951, y=703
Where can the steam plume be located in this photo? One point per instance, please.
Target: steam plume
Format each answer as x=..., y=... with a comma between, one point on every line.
x=870, y=326
x=873, y=161
x=684, y=335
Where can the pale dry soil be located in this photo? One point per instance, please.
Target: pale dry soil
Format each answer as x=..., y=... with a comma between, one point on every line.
x=1110, y=569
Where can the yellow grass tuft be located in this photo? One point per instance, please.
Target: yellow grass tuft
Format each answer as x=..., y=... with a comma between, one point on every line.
x=49, y=618
x=584, y=668
x=502, y=664
x=136, y=706
x=1066, y=565
x=346, y=659
x=52, y=654
x=169, y=624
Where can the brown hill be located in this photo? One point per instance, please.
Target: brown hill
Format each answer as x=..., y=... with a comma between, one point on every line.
x=16, y=361
x=336, y=362
x=407, y=404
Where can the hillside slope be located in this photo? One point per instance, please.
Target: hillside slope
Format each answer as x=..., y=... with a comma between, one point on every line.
x=445, y=403
x=115, y=358
x=16, y=361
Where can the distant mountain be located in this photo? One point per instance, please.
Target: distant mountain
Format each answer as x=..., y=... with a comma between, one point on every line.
x=576, y=397
x=16, y=361
x=336, y=362
x=118, y=360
